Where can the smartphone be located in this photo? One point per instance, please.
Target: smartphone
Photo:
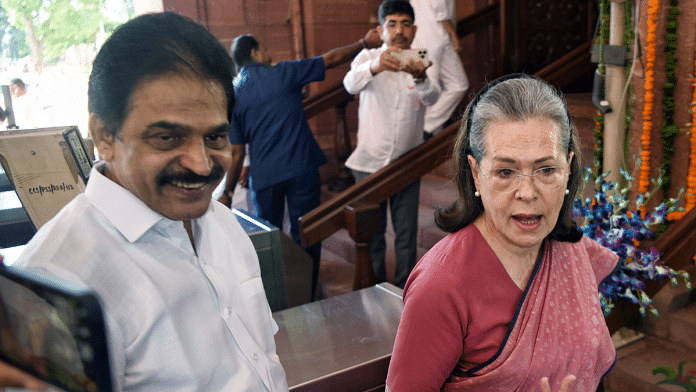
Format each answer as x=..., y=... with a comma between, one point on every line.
x=412, y=54
x=53, y=330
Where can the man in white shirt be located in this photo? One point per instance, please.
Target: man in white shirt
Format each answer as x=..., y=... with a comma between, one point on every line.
x=393, y=98
x=178, y=277
x=437, y=34
x=25, y=105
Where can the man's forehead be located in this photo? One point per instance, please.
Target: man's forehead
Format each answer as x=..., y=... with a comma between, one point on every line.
x=397, y=18
x=212, y=85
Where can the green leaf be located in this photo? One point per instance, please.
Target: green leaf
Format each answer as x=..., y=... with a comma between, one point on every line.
x=667, y=371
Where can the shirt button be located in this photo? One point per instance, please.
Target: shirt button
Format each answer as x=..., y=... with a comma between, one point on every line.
x=227, y=311
x=256, y=357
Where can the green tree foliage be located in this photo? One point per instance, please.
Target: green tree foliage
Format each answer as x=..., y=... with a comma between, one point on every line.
x=12, y=40
x=52, y=26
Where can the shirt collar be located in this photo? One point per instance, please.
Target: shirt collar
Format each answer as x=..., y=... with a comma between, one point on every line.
x=128, y=214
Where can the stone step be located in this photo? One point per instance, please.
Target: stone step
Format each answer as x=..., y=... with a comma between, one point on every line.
x=682, y=330
x=633, y=371
x=668, y=302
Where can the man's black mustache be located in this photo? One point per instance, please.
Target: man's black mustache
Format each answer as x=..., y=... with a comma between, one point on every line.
x=190, y=177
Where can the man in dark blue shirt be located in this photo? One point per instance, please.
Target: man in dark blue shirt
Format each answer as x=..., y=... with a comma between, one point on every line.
x=269, y=117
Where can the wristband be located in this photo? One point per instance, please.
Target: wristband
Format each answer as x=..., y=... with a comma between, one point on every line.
x=364, y=43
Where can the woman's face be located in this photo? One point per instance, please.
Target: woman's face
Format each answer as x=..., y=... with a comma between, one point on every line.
x=519, y=214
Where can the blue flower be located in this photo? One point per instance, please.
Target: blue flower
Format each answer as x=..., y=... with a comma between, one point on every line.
x=606, y=219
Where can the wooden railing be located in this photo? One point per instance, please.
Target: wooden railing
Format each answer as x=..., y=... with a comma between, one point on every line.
x=357, y=208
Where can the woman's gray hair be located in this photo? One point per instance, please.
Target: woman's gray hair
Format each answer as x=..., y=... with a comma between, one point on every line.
x=512, y=98
x=517, y=100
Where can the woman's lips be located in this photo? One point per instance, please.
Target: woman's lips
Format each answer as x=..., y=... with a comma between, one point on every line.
x=527, y=220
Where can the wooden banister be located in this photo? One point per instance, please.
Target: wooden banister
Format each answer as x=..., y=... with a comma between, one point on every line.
x=326, y=100
x=329, y=218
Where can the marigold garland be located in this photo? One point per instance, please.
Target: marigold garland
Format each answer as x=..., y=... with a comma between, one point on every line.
x=691, y=175
x=644, y=179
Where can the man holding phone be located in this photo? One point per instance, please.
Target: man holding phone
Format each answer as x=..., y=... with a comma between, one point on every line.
x=393, y=98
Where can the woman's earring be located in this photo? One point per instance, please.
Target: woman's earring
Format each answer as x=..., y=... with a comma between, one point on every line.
x=567, y=191
x=477, y=194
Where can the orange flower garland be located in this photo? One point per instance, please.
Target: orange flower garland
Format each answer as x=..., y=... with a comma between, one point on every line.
x=644, y=179
x=691, y=175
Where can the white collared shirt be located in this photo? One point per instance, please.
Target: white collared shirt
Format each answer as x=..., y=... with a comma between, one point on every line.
x=177, y=320
x=429, y=15
x=391, y=112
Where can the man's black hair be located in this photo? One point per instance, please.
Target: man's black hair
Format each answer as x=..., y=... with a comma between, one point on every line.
x=19, y=83
x=392, y=7
x=241, y=50
x=149, y=46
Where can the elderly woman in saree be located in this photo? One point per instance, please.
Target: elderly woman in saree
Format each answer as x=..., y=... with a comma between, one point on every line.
x=508, y=300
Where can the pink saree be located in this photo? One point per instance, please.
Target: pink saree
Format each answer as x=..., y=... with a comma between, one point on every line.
x=558, y=328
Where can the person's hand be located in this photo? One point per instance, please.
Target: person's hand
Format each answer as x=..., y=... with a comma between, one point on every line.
x=373, y=39
x=456, y=43
x=244, y=177
x=386, y=62
x=567, y=385
x=11, y=377
x=225, y=199
x=416, y=68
